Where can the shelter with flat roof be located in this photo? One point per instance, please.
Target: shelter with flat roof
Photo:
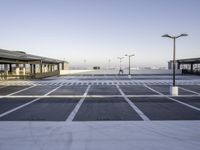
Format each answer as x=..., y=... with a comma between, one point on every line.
x=190, y=65
x=18, y=64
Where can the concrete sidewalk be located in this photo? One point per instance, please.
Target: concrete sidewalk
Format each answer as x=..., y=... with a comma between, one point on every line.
x=112, y=135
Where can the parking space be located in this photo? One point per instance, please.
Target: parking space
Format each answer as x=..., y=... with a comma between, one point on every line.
x=194, y=101
x=105, y=109
x=7, y=104
x=70, y=90
x=157, y=108
x=98, y=99
x=165, y=89
x=37, y=90
x=2, y=86
x=103, y=90
x=136, y=90
x=195, y=88
x=11, y=89
x=45, y=109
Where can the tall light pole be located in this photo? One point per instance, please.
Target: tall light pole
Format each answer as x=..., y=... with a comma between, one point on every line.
x=120, y=62
x=85, y=63
x=129, y=64
x=109, y=63
x=120, y=67
x=174, y=53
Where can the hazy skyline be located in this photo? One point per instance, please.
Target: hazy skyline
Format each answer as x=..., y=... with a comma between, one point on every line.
x=99, y=30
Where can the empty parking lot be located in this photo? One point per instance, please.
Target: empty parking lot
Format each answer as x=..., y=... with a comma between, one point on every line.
x=113, y=101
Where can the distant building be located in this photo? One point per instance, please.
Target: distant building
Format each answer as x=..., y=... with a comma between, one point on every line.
x=18, y=64
x=96, y=68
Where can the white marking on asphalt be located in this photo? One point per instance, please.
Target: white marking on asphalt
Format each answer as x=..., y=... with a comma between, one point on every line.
x=138, y=111
x=79, y=96
x=74, y=81
x=188, y=105
x=175, y=100
x=3, y=86
x=19, y=107
x=162, y=95
x=53, y=90
x=21, y=90
x=77, y=107
x=189, y=90
x=24, y=105
x=153, y=89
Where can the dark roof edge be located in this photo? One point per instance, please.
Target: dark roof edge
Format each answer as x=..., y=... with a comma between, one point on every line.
x=18, y=55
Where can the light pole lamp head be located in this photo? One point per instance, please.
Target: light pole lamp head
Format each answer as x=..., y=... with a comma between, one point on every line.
x=129, y=55
x=120, y=58
x=174, y=37
x=167, y=35
x=182, y=35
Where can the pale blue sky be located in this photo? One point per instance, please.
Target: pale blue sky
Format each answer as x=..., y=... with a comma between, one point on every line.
x=98, y=30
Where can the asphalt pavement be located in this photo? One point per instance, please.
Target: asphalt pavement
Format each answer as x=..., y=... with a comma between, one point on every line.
x=114, y=101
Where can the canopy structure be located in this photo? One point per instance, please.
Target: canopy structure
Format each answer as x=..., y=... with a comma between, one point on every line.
x=18, y=64
x=189, y=65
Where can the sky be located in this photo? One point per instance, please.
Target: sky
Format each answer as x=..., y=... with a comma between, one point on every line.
x=91, y=32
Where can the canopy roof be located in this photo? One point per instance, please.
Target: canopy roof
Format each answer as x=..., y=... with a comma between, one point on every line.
x=7, y=56
x=189, y=60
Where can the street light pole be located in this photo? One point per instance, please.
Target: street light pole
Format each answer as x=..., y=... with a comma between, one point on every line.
x=174, y=61
x=174, y=53
x=109, y=63
x=129, y=63
x=120, y=61
x=85, y=66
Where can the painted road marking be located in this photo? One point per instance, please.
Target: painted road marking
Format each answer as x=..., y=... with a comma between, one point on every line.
x=19, y=107
x=3, y=87
x=75, y=110
x=21, y=90
x=80, y=96
x=188, y=105
x=137, y=110
x=53, y=90
x=189, y=90
x=102, y=80
x=24, y=105
x=153, y=90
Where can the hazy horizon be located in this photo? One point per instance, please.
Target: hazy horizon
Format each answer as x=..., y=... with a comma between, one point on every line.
x=92, y=32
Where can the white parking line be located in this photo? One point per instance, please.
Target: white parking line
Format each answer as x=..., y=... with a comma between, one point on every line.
x=91, y=96
x=153, y=89
x=21, y=90
x=188, y=105
x=175, y=100
x=101, y=81
x=3, y=86
x=94, y=96
x=189, y=90
x=19, y=107
x=24, y=105
x=53, y=90
x=75, y=110
x=138, y=111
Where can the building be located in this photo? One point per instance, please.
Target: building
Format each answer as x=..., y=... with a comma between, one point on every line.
x=190, y=65
x=18, y=64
